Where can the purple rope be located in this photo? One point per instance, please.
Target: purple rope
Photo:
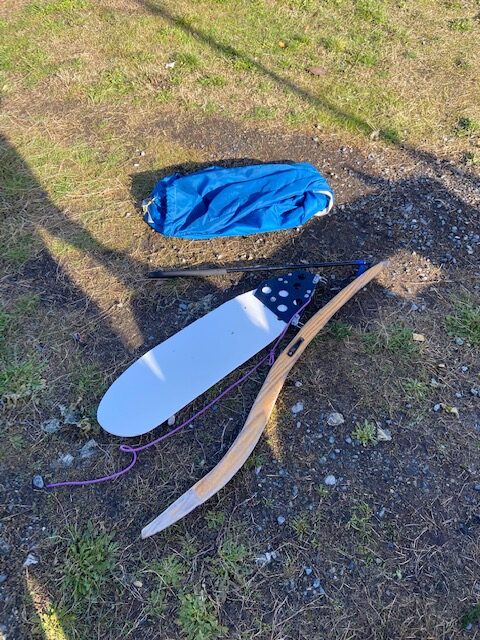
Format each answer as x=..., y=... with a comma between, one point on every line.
x=125, y=448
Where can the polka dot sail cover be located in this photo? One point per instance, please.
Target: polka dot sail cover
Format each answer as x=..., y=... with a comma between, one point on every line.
x=237, y=201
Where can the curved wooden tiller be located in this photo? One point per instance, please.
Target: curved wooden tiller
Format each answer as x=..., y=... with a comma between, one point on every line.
x=260, y=412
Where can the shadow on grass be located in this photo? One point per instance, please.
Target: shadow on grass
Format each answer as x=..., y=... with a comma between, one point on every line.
x=343, y=118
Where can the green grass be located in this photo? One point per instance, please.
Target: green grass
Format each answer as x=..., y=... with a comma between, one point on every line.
x=215, y=519
x=170, y=571
x=90, y=561
x=197, y=617
x=20, y=378
x=415, y=390
x=467, y=127
x=339, y=330
x=88, y=382
x=472, y=616
x=254, y=54
x=301, y=526
x=232, y=561
x=360, y=519
x=156, y=605
x=394, y=340
x=365, y=433
x=464, y=322
x=113, y=84
x=462, y=24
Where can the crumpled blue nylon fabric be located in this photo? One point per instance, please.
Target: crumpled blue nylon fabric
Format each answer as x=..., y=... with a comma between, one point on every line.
x=237, y=201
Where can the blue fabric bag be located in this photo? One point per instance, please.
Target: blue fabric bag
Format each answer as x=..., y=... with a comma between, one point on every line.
x=237, y=201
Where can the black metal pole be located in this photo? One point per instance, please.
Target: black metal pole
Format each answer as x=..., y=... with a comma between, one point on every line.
x=199, y=273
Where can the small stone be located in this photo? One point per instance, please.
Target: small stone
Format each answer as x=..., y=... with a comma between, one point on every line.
x=137, y=583
x=330, y=481
x=70, y=415
x=383, y=435
x=437, y=407
x=297, y=407
x=281, y=520
x=318, y=585
x=331, y=439
x=30, y=560
x=317, y=71
x=88, y=449
x=265, y=558
x=382, y=512
x=308, y=571
x=51, y=426
x=5, y=548
x=37, y=482
x=418, y=337
x=171, y=421
x=335, y=419
x=348, y=440
x=477, y=486
x=474, y=391
x=3, y=577
x=298, y=383
x=323, y=460
x=66, y=460
x=169, y=65
x=459, y=341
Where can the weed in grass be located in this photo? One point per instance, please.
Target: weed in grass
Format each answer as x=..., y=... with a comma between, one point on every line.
x=262, y=113
x=335, y=43
x=20, y=379
x=89, y=563
x=365, y=433
x=395, y=340
x=301, y=526
x=17, y=441
x=171, y=571
x=390, y=134
x=461, y=24
x=14, y=178
x=472, y=616
x=43, y=8
x=156, y=605
x=472, y=159
x=187, y=60
x=26, y=305
x=464, y=322
x=214, y=519
x=197, y=617
x=212, y=80
x=112, y=85
x=339, y=330
x=88, y=382
x=232, y=561
x=5, y=323
x=164, y=96
x=321, y=490
x=415, y=390
x=17, y=250
x=467, y=127
x=371, y=10
x=360, y=519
